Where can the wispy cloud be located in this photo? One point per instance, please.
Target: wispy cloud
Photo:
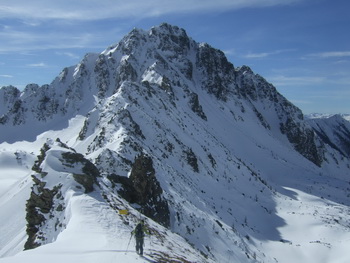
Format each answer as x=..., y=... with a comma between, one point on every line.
x=258, y=55
x=23, y=39
x=42, y=24
x=331, y=54
x=230, y=52
x=37, y=65
x=296, y=80
x=6, y=76
x=97, y=9
x=68, y=54
x=267, y=54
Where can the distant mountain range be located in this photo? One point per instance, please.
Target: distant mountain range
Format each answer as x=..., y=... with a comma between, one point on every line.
x=325, y=116
x=222, y=166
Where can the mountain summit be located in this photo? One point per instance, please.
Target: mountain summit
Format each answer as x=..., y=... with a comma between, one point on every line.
x=168, y=128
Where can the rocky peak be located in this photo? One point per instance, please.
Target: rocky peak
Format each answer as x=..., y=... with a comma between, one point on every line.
x=8, y=97
x=170, y=38
x=163, y=59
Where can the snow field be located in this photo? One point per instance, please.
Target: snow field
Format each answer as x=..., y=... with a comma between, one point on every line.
x=311, y=232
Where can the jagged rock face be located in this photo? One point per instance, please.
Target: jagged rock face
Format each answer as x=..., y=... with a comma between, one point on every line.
x=40, y=206
x=220, y=74
x=143, y=188
x=11, y=105
x=196, y=107
x=9, y=95
x=303, y=140
x=46, y=206
x=149, y=191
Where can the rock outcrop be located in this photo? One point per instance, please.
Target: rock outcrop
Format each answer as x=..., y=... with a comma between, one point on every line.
x=58, y=169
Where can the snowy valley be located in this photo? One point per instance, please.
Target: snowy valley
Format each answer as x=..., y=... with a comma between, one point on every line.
x=221, y=165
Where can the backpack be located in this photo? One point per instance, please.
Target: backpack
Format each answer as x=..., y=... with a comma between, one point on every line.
x=139, y=231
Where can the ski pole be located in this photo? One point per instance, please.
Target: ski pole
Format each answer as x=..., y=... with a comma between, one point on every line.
x=129, y=243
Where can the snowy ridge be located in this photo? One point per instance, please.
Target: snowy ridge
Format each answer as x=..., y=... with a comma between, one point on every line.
x=91, y=221
x=245, y=177
x=334, y=130
x=325, y=116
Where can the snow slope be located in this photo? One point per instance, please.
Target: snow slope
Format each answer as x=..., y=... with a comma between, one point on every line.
x=95, y=233
x=93, y=229
x=245, y=177
x=12, y=216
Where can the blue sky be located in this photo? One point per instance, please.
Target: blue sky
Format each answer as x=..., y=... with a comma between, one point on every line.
x=301, y=46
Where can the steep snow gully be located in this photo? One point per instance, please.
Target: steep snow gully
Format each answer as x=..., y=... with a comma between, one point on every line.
x=159, y=127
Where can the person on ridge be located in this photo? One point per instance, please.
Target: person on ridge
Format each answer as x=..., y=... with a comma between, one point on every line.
x=139, y=233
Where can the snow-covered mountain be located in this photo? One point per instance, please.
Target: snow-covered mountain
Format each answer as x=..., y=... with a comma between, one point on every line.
x=333, y=130
x=224, y=168
x=325, y=116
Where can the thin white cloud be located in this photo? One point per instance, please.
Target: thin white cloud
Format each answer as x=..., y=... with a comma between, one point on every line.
x=267, y=54
x=20, y=40
x=296, y=81
x=6, y=76
x=35, y=33
x=331, y=54
x=257, y=55
x=230, y=52
x=68, y=54
x=97, y=9
x=37, y=65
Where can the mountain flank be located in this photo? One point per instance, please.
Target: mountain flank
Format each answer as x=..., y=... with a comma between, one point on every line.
x=223, y=167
